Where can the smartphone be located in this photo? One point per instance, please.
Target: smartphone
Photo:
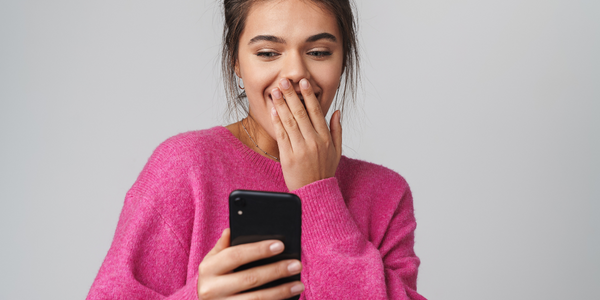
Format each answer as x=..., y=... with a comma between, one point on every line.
x=256, y=216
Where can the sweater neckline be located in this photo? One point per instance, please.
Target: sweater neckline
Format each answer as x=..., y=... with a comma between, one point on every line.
x=271, y=168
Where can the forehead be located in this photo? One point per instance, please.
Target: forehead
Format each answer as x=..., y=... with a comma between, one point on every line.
x=289, y=19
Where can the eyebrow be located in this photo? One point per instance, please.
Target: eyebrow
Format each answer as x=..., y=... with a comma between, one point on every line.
x=268, y=38
x=275, y=39
x=321, y=36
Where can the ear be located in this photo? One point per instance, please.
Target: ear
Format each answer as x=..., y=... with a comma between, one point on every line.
x=236, y=68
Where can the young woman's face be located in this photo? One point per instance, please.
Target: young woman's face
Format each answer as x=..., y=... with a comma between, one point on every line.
x=291, y=39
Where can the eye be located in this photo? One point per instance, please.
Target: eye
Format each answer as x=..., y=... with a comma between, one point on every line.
x=319, y=54
x=267, y=54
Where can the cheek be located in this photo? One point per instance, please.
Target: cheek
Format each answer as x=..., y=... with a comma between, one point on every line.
x=328, y=79
x=328, y=75
x=258, y=79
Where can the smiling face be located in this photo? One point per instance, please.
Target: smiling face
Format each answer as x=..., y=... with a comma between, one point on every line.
x=291, y=39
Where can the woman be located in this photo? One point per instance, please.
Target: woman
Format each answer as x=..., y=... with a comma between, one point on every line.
x=290, y=58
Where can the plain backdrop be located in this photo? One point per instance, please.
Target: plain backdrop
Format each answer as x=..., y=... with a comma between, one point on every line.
x=490, y=110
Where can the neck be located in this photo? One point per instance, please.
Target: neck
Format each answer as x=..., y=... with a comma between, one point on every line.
x=254, y=136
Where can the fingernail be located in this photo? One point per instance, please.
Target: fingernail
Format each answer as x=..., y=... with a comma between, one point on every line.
x=285, y=83
x=273, y=111
x=276, y=247
x=304, y=83
x=294, y=267
x=297, y=289
x=276, y=93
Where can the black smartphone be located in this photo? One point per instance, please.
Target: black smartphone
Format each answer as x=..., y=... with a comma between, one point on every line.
x=257, y=216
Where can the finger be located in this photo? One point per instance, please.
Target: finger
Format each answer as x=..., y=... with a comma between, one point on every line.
x=221, y=244
x=336, y=131
x=283, y=141
x=295, y=103
x=257, y=276
x=283, y=291
x=233, y=257
x=287, y=110
x=313, y=108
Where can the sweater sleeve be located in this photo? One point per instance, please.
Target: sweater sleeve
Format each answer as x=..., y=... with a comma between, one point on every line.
x=145, y=261
x=344, y=263
x=149, y=255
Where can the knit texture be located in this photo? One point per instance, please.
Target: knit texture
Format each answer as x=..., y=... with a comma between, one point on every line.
x=357, y=227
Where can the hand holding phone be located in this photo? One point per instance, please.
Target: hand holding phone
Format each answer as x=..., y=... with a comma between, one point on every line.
x=215, y=280
x=260, y=256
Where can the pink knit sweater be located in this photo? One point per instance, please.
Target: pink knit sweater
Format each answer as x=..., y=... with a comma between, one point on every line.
x=357, y=228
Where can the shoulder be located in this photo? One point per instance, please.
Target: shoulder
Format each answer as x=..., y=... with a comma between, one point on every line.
x=173, y=160
x=362, y=173
x=193, y=141
x=191, y=147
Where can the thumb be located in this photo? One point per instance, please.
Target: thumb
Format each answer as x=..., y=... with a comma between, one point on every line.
x=335, y=126
x=221, y=244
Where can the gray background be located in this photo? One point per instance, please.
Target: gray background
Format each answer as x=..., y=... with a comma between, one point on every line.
x=490, y=109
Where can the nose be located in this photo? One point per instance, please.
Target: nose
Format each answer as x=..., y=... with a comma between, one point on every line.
x=294, y=68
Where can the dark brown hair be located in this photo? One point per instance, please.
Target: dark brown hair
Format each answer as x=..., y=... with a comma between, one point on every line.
x=236, y=11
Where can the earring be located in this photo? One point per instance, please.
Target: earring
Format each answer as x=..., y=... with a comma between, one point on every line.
x=240, y=81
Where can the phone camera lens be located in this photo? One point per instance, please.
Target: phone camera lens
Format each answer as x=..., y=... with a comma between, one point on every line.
x=239, y=201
